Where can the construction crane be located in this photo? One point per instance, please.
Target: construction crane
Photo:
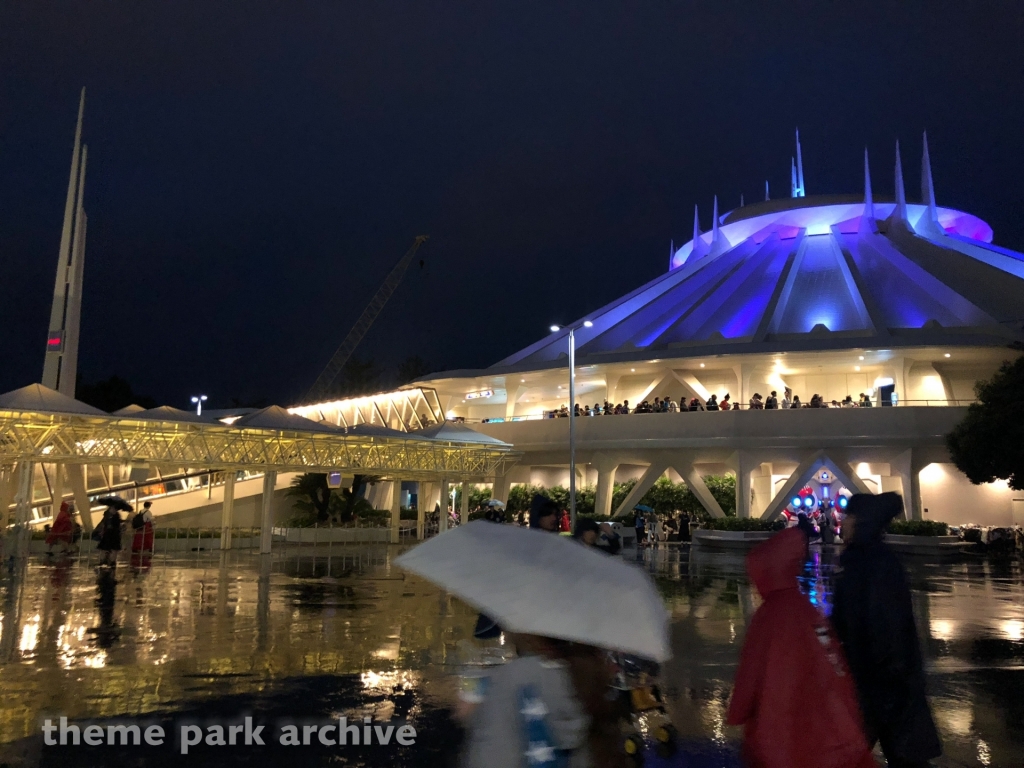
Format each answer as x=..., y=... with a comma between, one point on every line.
x=330, y=374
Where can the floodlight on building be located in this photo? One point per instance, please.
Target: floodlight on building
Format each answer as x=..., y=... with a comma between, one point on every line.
x=199, y=400
x=556, y=328
x=946, y=355
x=587, y=324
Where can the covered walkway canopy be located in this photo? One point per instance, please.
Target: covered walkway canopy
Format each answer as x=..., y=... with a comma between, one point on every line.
x=39, y=425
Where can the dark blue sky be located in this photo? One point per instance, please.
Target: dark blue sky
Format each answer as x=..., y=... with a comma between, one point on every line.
x=256, y=168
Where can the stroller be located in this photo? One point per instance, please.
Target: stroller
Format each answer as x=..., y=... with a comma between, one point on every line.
x=642, y=711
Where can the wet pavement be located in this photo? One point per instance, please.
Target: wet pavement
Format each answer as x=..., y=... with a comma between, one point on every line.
x=201, y=637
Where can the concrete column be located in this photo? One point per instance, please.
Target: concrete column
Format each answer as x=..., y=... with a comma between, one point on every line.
x=499, y=490
x=8, y=489
x=57, y=488
x=396, y=509
x=605, y=488
x=23, y=513
x=464, y=506
x=908, y=468
x=696, y=483
x=77, y=477
x=227, y=510
x=267, y=518
x=422, y=500
x=442, y=518
x=744, y=464
x=648, y=479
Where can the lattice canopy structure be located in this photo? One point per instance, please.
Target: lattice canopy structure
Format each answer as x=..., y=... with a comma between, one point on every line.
x=86, y=438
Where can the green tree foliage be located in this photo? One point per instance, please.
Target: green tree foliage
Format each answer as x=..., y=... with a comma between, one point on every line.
x=918, y=528
x=312, y=496
x=988, y=444
x=478, y=497
x=663, y=497
x=316, y=503
x=111, y=394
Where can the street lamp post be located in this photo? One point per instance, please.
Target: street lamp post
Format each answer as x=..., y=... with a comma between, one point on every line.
x=199, y=400
x=572, y=416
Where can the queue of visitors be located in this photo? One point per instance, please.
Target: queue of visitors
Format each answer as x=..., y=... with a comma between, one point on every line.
x=667, y=405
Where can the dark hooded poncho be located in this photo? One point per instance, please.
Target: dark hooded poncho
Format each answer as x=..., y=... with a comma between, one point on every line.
x=874, y=620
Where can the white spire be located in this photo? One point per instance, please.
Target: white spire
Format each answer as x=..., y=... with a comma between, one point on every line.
x=867, y=218
x=700, y=248
x=719, y=242
x=64, y=319
x=766, y=197
x=800, y=168
x=899, y=213
x=928, y=224
x=792, y=178
x=671, y=252
x=741, y=199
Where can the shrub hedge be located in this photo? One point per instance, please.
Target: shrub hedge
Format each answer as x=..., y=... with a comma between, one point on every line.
x=918, y=528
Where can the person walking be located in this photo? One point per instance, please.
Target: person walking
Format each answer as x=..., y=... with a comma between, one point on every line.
x=789, y=659
x=142, y=527
x=109, y=539
x=873, y=618
x=640, y=525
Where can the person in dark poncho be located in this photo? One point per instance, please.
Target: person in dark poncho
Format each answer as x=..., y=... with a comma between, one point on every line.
x=873, y=617
x=790, y=659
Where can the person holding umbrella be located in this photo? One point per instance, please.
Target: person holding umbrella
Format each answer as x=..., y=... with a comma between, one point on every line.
x=549, y=706
x=108, y=533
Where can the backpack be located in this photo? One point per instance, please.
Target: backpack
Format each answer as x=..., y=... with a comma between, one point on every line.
x=138, y=521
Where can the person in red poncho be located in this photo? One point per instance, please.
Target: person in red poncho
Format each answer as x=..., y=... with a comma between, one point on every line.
x=791, y=661
x=63, y=529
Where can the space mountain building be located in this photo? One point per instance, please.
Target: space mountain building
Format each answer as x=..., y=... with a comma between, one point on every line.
x=909, y=304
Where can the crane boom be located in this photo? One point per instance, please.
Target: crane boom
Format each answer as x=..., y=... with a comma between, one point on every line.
x=323, y=383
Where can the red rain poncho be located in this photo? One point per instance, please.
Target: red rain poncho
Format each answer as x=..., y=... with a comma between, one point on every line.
x=63, y=527
x=792, y=665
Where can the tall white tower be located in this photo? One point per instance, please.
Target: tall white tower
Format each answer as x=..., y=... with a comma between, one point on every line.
x=60, y=367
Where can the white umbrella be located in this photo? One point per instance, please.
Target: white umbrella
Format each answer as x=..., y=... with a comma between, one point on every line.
x=539, y=583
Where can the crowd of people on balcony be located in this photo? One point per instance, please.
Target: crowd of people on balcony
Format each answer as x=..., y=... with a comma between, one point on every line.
x=668, y=405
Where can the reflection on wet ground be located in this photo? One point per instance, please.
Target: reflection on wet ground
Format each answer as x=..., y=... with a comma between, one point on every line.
x=211, y=636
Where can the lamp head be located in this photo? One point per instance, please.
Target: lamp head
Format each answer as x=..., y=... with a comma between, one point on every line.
x=587, y=324
x=555, y=328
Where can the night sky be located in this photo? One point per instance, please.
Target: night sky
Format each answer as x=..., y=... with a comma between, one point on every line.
x=255, y=169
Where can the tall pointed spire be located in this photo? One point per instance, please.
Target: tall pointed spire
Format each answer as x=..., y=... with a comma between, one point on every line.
x=700, y=248
x=899, y=212
x=719, y=242
x=928, y=224
x=60, y=363
x=802, y=191
x=766, y=197
x=671, y=252
x=741, y=199
x=867, y=218
x=794, y=190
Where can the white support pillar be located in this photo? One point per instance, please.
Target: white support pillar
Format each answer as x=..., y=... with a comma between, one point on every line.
x=744, y=463
x=8, y=489
x=422, y=500
x=267, y=518
x=696, y=483
x=227, y=510
x=442, y=518
x=499, y=489
x=605, y=487
x=908, y=469
x=464, y=505
x=76, y=475
x=57, y=489
x=396, y=509
x=649, y=478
